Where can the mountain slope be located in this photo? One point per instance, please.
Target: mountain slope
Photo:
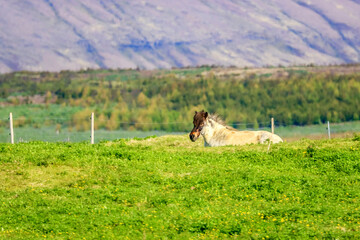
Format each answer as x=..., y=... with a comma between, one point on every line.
x=55, y=35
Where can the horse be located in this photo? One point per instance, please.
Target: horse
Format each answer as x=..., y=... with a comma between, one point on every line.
x=216, y=133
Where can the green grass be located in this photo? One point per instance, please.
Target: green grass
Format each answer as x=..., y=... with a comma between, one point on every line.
x=38, y=115
x=48, y=134
x=170, y=188
x=319, y=129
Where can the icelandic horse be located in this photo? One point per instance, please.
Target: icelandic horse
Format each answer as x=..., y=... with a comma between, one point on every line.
x=216, y=133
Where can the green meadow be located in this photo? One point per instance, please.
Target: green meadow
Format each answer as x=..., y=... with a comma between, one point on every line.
x=40, y=123
x=170, y=188
x=66, y=134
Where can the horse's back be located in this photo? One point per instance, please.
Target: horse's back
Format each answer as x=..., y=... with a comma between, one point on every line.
x=241, y=137
x=265, y=136
x=248, y=137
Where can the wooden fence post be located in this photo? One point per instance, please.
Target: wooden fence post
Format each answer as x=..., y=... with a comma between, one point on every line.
x=92, y=128
x=328, y=128
x=272, y=126
x=11, y=128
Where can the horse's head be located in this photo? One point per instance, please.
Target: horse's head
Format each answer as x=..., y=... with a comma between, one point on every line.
x=199, y=121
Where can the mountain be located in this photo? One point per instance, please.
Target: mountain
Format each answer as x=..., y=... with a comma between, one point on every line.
x=53, y=35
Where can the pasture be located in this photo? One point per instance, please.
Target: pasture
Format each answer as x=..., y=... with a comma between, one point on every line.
x=170, y=188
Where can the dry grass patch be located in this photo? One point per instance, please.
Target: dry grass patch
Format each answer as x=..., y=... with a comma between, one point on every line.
x=16, y=177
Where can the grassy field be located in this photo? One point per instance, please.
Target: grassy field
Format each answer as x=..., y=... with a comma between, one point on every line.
x=170, y=188
x=39, y=123
x=319, y=131
x=48, y=133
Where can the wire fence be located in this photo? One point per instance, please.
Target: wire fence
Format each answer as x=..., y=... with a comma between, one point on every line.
x=63, y=130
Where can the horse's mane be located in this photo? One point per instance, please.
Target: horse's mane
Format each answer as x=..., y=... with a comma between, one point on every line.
x=217, y=118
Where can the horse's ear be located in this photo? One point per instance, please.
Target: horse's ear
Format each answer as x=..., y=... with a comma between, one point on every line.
x=211, y=122
x=206, y=115
x=195, y=112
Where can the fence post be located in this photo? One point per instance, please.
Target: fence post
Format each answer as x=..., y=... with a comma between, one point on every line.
x=11, y=129
x=92, y=128
x=328, y=128
x=272, y=126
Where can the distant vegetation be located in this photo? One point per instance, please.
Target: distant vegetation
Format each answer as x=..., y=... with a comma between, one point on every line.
x=166, y=99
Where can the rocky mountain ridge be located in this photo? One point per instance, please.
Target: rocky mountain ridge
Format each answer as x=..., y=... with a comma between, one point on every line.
x=54, y=35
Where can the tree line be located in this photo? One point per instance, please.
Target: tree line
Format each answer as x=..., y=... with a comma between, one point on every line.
x=166, y=100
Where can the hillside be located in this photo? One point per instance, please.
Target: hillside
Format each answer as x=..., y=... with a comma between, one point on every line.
x=53, y=35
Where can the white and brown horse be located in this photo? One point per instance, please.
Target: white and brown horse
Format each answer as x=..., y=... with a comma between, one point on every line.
x=216, y=133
